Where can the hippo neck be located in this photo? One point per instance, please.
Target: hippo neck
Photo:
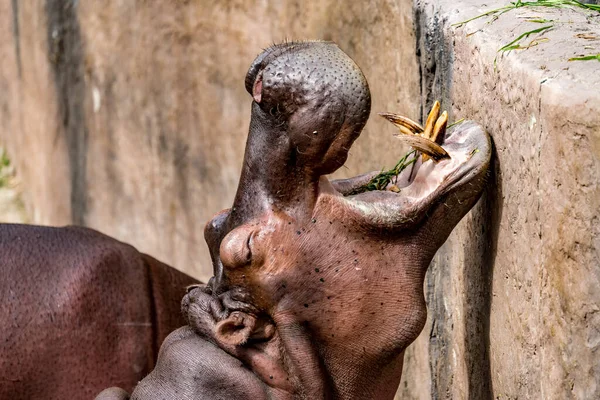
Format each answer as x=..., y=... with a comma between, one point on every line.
x=273, y=179
x=333, y=373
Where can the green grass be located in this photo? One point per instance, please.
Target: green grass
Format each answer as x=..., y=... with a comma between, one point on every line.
x=516, y=44
x=495, y=13
x=455, y=123
x=384, y=178
x=586, y=58
x=4, y=169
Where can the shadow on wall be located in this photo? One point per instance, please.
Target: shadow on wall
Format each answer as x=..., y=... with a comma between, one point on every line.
x=480, y=254
x=458, y=290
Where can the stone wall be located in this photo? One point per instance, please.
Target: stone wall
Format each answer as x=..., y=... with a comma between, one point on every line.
x=513, y=295
x=131, y=116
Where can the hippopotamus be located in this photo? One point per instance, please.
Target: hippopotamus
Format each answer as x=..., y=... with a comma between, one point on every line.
x=80, y=311
x=317, y=291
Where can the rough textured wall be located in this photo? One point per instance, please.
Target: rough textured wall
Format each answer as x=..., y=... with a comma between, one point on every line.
x=513, y=294
x=131, y=116
x=30, y=125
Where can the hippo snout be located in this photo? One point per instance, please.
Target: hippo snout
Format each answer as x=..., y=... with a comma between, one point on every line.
x=316, y=94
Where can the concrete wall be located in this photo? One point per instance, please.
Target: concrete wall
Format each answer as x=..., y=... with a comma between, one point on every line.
x=513, y=295
x=131, y=116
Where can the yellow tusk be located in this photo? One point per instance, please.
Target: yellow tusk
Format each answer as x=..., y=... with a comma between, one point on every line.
x=431, y=119
x=424, y=145
x=405, y=122
x=439, y=130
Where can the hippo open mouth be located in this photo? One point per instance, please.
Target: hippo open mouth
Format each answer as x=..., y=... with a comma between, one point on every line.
x=423, y=183
x=469, y=153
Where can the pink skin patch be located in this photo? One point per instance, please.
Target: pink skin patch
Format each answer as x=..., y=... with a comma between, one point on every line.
x=257, y=90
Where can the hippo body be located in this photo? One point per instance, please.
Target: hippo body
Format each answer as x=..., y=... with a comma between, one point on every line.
x=80, y=311
x=316, y=292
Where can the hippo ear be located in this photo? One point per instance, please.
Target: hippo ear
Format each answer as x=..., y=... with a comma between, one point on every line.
x=236, y=329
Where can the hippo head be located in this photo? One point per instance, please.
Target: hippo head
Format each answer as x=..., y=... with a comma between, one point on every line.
x=320, y=291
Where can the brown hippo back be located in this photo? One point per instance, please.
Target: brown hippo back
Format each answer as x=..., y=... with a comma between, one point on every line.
x=80, y=311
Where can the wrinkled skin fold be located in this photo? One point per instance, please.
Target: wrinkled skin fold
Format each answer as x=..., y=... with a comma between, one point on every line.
x=316, y=295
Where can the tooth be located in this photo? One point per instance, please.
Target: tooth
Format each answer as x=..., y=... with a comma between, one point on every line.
x=431, y=119
x=401, y=122
x=424, y=145
x=405, y=130
x=440, y=127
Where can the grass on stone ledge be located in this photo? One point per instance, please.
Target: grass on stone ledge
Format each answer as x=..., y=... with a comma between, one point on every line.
x=515, y=45
x=539, y=3
x=586, y=58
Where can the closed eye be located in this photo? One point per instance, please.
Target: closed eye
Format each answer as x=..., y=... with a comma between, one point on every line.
x=236, y=247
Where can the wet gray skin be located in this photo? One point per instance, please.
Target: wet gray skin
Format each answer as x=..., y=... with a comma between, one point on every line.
x=316, y=295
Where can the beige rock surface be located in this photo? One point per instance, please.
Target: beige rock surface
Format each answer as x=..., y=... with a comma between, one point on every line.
x=131, y=117
x=513, y=295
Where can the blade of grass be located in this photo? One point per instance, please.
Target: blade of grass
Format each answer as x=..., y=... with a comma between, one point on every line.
x=455, y=123
x=586, y=58
x=4, y=169
x=491, y=12
x=514, y=44
x=540, y=21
